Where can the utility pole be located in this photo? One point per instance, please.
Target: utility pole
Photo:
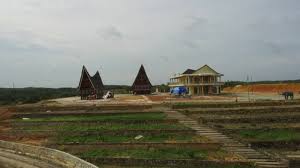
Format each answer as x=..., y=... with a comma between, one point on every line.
x=248, y=88
x=13, y=92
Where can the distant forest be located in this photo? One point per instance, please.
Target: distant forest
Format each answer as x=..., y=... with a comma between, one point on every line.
x=10, y=96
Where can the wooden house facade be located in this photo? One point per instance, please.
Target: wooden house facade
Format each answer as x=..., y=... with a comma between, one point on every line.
x=90, y=87
x=203, y=81
x=141, y=84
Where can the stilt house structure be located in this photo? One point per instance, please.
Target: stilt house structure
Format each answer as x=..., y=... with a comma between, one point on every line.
x=90, y=87
x=141, y=84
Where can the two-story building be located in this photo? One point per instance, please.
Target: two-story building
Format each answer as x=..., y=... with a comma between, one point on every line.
x=204, y=81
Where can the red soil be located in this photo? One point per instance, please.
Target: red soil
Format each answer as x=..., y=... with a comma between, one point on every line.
x=265, y=88
x=156, y=98
x=4, y=114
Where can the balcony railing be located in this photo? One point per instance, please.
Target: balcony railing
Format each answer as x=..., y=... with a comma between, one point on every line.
x=195, y=83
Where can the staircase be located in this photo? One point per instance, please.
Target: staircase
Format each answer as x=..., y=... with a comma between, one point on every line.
x=229, y=144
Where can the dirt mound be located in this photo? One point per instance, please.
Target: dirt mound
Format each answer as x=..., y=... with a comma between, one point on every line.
x=4, y=114
x=270, y=88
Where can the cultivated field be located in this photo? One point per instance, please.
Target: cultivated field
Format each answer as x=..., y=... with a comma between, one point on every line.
x=128, y=138
x=162, y=131
x=273, y=130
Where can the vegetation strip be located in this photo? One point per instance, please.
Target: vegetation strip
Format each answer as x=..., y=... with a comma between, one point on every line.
x=287, y=145
x=276, y=119
x=146, y=138
x=140, y=145
x=92, y=122
x=242, y=110
x=270, y=135
x=81, y=113
x=104, y=127
x=127, y=117
x=192, y=163
x=234, y=127
x=26, y=108
x=100, y=132
x=151, y=153
x=234, y=104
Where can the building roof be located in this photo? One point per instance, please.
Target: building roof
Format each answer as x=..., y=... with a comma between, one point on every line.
x=206, y=70
x=95, y=81
x=202, y=71
x=189, y=71
x=141, y=78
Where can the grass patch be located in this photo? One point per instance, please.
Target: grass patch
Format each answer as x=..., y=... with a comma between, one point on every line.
x=128, y=117
x=121, y=139
x=271, y=135
x=107, y=126
x=151, y=153
x=152, y=126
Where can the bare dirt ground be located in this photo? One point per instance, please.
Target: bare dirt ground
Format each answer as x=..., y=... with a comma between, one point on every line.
x=262, y=91
x=138, y=99
x=265, y=88
x=118, y=100
x=127, y=99
x=4, y=115
x=166, y=97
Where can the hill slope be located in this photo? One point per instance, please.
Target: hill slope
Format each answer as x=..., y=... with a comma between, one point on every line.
x=270, y=88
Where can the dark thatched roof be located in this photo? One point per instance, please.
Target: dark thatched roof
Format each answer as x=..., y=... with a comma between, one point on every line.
x=94, y=82
x=97, y=81
x=188, y=71
x=142, y=78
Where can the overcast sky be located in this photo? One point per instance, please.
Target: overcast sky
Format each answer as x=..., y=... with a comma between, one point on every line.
x=46, y=42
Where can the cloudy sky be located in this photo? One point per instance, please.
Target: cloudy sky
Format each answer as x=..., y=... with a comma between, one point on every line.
x=46, y=42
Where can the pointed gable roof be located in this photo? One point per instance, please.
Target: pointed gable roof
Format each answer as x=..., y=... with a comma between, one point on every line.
x=97, y=81
x=141, y=78
x=85, y=76
x=206, y=70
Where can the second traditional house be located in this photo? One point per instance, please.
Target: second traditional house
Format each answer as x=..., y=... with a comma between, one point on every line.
x=141, y=84
x=91, y=87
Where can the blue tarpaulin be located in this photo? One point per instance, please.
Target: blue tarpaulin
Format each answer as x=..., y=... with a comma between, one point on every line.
x=179, y=90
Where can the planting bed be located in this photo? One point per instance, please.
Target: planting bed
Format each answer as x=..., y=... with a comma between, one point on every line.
x=106, y=126
x=87, y=117
x=100, y=136
x=189, y=105
x=275, y=130
x=165, y=137
x=270, y=135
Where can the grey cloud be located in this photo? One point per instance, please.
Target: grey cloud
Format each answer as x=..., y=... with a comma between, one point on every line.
x=56, y=37
x=193, y=32
x=274, y=48
x=196, y=24
x=111, y=33
x=164, y=58
x=190, y=44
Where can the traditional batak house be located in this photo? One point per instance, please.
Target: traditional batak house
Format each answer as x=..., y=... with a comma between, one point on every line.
x=203, y=81
x=141, y=84
x=90, y=87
